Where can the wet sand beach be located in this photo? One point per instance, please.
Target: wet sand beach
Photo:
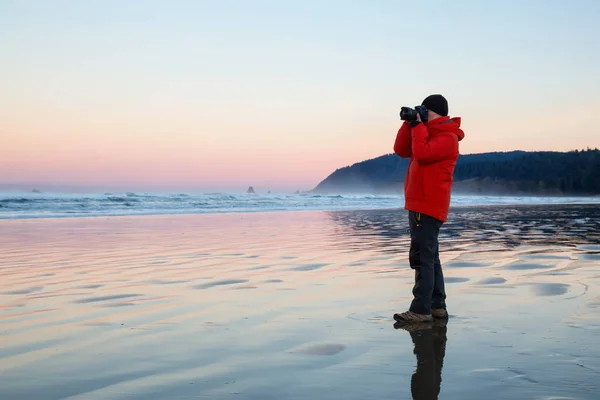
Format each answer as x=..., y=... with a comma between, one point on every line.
x=299, y=305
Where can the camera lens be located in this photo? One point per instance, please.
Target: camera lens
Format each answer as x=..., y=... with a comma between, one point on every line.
x=408, y=114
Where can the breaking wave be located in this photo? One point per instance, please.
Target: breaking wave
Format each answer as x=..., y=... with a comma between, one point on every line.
x=47, y=205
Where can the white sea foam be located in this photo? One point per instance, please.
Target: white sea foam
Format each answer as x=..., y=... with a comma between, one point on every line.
x=58, y=205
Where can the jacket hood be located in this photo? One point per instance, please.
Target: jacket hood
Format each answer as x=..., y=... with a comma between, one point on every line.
x=447, y=124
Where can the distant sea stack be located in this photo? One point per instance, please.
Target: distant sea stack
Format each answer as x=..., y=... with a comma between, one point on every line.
x=498, y=173
x=251, y=190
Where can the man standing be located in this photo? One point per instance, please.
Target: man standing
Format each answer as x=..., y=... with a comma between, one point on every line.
x=432, y=147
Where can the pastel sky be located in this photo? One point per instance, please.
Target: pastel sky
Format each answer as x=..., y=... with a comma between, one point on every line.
x=278, y=94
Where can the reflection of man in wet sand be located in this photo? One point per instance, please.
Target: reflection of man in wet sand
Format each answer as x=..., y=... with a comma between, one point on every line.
x=430, y=347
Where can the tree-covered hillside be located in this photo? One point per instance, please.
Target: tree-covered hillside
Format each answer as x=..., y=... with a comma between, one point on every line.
x=576, y=173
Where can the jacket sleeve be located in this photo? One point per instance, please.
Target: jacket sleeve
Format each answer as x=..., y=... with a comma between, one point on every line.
x=429, y=150
x=402, y=145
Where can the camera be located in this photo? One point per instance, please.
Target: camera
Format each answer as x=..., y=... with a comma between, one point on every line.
x=410, y=114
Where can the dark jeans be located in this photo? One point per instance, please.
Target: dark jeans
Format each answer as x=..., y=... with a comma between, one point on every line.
x=424, y=258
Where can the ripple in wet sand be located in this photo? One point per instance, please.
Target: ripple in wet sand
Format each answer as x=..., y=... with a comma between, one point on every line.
x=194, y=255
x=163, y=282
x=91, y=287
x=24, y=291
x=105, y=298
x=120, y=304
x=258, y=268
x=594, y=302
x=221, y=283
x=309, y=267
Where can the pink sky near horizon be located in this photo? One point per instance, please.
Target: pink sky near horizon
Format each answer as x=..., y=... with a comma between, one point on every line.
x=203, y=96
x=73, y=150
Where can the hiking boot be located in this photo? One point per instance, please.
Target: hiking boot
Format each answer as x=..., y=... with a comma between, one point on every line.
x=410, y=316
x=439, y=313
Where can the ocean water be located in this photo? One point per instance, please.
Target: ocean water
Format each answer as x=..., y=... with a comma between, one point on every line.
x=61, y=205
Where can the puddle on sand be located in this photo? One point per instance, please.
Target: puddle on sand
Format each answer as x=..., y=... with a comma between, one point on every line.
x=321, y=349
x=455, y=279
x=466, y=264
x=541, y=256
x=492, y=281
x=524, y=266
x=550, y=289
x=591, y=256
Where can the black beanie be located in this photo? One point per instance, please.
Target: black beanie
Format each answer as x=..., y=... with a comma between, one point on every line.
x=436, y=103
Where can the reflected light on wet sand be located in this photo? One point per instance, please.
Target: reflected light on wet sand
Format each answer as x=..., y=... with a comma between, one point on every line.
x=298, y=305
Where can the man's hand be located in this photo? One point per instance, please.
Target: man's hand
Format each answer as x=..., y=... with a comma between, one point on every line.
x=416, y=122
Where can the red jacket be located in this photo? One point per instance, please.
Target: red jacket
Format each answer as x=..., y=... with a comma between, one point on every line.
x=433, y=150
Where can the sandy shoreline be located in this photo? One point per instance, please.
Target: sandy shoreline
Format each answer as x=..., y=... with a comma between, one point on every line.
x=298, y=305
